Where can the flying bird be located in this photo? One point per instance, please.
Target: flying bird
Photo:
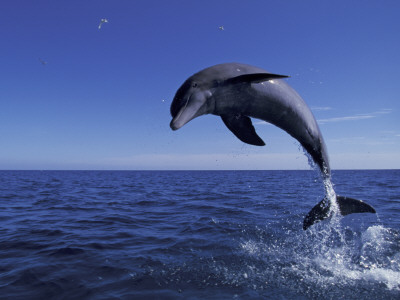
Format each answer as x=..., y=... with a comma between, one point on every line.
x=43, y=62
x=102, y=21
x=221, y=28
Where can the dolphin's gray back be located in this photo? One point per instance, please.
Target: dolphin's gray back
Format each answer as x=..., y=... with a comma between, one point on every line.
x=273, y=101
x=223, y=71
x=288, y=111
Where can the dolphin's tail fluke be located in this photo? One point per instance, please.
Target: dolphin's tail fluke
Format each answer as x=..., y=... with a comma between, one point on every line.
x=346, y=206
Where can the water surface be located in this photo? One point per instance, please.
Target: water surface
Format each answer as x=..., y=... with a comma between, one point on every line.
x=195, y=235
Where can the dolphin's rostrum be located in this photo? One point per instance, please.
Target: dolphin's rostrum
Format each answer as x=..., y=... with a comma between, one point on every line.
x=236, y=92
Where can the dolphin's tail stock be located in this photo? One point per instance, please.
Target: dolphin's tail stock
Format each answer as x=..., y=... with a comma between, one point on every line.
x=347, y=206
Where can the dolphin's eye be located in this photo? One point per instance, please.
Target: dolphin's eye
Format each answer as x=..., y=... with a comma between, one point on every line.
x=194, y=84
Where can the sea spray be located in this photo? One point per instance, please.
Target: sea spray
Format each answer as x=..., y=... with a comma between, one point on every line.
x=329, y=207
x=330, y=194
x=334, y=229
x=331, y=197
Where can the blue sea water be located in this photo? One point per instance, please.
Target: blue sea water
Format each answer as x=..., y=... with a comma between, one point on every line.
x=195, y=235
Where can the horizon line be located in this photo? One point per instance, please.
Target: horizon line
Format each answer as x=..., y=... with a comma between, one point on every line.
x=190, y=170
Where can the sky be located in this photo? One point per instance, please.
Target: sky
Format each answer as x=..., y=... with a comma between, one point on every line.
x=76, y=97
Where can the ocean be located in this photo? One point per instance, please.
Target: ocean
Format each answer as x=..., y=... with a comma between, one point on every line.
x=195, y=235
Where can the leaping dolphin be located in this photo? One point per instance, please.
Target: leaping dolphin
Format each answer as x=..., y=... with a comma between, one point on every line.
x=236, y=92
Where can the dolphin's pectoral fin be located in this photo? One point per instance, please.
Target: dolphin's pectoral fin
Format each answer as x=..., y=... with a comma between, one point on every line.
x=347, y=206
x=255, y=77
x=243, y=129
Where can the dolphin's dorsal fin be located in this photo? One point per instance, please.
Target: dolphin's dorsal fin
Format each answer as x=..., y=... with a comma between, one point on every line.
x=255, y=77
x=243, y=129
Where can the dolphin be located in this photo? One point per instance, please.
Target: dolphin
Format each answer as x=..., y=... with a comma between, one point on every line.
x=238, y=92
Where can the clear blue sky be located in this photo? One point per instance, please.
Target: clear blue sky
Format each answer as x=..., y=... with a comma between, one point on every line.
x=102, y=99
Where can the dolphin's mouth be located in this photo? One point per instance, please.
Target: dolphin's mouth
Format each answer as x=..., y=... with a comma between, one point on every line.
x=175, y=124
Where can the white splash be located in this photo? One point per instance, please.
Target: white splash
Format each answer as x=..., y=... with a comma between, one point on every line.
x=331, y=196
x=378, y=259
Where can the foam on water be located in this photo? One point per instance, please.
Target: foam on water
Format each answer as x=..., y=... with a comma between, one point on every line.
x=363, y=256
x=327, y=254
x=309, y=265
